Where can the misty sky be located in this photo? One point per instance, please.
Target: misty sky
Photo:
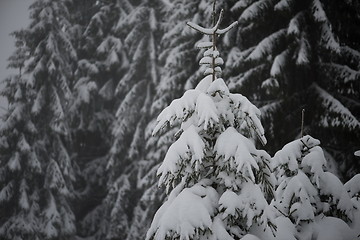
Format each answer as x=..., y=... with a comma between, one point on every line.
x=14, y=15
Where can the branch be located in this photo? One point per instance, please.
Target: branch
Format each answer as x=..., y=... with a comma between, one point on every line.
x=216, y=27
x=207, y=31
x=225, y=30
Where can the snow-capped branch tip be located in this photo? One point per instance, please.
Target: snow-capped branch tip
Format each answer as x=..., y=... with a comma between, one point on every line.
x=213, y=30
x=357, y=153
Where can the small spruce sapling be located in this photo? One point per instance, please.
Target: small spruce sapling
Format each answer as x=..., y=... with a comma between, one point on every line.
x=314, y=200
x=218, y=182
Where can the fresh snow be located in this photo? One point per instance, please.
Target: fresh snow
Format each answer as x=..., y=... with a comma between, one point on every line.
x=186, y=212
x=187, y=150
x=357, y=153
x=266, y=45
x=236, y=151
x=14, y=162
x=279, y=63
x=330, y=228
x=250, y=237
x=303, y=54
x=334, y=106
x=283, y=5
x=255, y=10
x=241, y=5
x=206, y=110
x=294, y=25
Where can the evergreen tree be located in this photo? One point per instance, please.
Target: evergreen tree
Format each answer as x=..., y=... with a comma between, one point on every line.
x=133, y=93
x=312, y=202
x=36, y=168
x=103, y=62
x=215, y=175
x=286, y=58
x=141, y=31
x=174, y=56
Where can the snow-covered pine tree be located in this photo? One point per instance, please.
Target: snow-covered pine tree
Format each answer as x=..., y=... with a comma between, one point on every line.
x=36, y=169
x=286, y=58
x=175, y=54
x=218, y=182
x=311, y=203
x=17, y=204
x=139, y=29
x=103, y=62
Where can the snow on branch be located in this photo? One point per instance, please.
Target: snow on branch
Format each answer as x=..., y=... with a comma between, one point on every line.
x=318, y=11
x=267, y=44
x=213, y=30
x=256, y=10
x=295, y=23
x=343, y=116
x=236, y=151
x=186, y=213
x=303, y=55
x=279, y=63
x=240, y=5
x=252, y=114
x=343, y=72
x=225, y=30
x=284, y=5
x=353, y=185
x=352, y=54
x=178, y=109
x=207, y=31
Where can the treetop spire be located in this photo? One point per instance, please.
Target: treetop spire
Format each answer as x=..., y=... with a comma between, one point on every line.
x=211, y=56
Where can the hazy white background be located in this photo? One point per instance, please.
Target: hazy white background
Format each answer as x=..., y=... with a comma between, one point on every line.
x=14, y=15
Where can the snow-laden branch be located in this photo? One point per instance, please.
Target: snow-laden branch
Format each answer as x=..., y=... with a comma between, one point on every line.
x=225, y=30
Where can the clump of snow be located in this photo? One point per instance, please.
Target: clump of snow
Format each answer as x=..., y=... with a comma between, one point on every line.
x=334, y=107
x=249, y=204
x=188, y=149
x=353, y=185
x=357, y=153
x=303, y=53
x=204, y=84
x=178, y=109
x=218, y=229
x=266, y=45
x=14, y=162
x=292, y=151
x=332, y=186
x=235, y=151
x=294, y=25
x=250, y=237
x=298, y=187
x=279, y=63
x=331, y=228
x=186, y=212
x=206, y=110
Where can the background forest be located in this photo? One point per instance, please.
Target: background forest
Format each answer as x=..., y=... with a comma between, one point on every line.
x=77, y=158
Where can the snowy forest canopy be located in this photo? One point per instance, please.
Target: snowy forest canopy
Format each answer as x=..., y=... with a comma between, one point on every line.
x=77, y=155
